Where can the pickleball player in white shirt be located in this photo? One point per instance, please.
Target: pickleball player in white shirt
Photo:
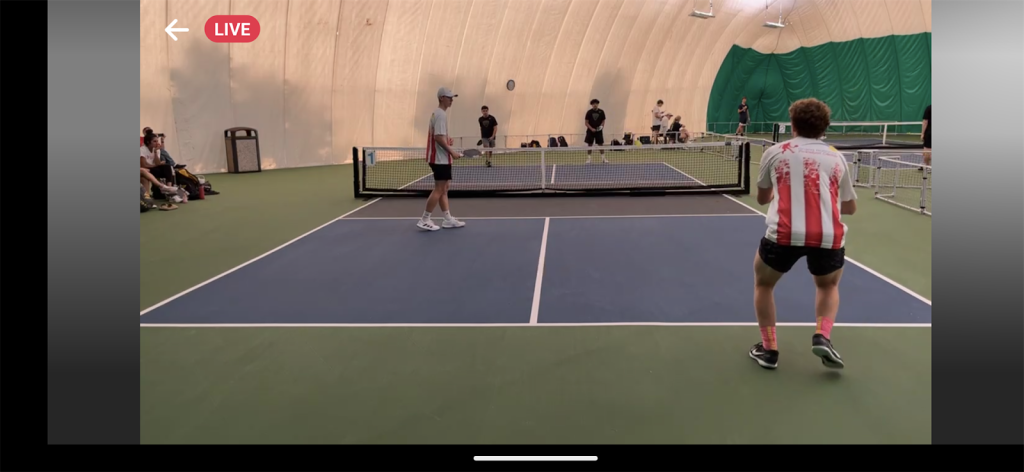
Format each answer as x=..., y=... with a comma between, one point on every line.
x=440, y=156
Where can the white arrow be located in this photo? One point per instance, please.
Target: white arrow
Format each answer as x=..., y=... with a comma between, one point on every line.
x=171, y=30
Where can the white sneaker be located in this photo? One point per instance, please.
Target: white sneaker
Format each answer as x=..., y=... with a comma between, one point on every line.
x=428, y=225
x=605, y=160
x=588, y=161
x=453, y=223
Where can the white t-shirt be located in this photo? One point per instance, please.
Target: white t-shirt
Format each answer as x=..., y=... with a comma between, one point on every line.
x=810, y=179
x=151, y=158
x=655, y=113
x=436, y=154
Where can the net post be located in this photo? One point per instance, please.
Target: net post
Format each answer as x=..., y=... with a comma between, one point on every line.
x=355, y=171
x=885, y=132
x=924, y=187
x=543, y=169
x=876, y=178
x=744, y=170
x=776, y=132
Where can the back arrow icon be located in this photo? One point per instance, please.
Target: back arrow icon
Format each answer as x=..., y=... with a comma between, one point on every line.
x=170, y=30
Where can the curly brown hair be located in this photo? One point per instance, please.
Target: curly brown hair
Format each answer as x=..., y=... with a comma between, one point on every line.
x=810, y=117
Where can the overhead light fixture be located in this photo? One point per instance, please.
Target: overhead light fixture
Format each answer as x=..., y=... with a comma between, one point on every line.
x=702, y=15
x=771, y=24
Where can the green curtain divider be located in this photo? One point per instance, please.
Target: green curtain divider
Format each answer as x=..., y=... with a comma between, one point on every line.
x=866, y=79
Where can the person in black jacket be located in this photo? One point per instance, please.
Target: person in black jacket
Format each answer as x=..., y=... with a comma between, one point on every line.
x=926, y=135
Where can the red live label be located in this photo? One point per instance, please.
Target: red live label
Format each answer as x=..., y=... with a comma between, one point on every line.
x=232, y=29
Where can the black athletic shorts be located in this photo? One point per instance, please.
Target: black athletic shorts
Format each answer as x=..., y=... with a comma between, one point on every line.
x=656, y=128
x=594, y=137
x=928, y=140
x=442, y=172
x=820, y=261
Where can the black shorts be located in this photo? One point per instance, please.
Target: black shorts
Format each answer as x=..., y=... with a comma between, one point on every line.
x=820, y=261
x=594, y=137
x=442, y=172
x=744, y=121
x=656, y=128
x=928, y=141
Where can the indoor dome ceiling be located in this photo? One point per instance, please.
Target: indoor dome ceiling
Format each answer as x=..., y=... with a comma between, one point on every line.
x=327, y=75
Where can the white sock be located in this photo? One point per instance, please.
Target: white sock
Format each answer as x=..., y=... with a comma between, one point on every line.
x=426, y=216
x=448, y=216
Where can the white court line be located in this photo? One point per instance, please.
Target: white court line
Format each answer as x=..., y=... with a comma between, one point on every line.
x=279, y=248
x=506, y=325
x=535, y=308
x=756, y=213
x=858, y=264
x=554, y=217
x=261, y=256
x=553, y=167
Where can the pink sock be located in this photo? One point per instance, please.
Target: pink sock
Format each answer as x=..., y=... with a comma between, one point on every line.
x=768, y=338
x=824, y=327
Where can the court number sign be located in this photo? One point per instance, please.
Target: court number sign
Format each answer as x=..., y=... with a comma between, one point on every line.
x=371, y=157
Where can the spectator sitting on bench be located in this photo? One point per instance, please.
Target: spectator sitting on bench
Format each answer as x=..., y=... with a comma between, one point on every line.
x=682, y=135
x=151, y=160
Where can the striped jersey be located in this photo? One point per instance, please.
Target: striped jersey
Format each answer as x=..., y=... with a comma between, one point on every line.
x=436, y=153
x=811, y=180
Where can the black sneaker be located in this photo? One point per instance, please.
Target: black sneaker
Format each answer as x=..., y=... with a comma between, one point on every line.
x=769, y=359
x=822, y=347
x=488, y=163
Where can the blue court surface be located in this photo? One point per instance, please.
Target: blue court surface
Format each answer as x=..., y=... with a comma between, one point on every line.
x=685, y=269
x=468, y=177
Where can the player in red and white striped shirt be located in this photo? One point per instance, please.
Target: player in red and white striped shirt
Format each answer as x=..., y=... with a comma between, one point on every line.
x=807, y=186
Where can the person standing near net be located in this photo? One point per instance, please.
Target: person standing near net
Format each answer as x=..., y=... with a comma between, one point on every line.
x=439, y=157
x=594, y=119
x=807, y=186
x=488, y=131
x=744, y=112
x=658, y=117
x=926, y=135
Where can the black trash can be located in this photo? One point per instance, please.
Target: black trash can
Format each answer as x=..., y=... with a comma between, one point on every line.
x=243, y=151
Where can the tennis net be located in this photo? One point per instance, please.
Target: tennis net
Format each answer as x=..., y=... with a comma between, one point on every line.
x=720, y=167
x=866, y=134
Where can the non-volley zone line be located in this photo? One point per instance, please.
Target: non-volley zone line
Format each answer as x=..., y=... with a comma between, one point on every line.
x=513, y=325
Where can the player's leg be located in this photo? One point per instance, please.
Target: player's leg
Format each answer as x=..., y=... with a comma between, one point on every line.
x=771, y=262
x=449, y=220
x=599, y=140
x=489, y=144
x=589, y=140
x=435, y=197
x=927, y=156
x=826, y=265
